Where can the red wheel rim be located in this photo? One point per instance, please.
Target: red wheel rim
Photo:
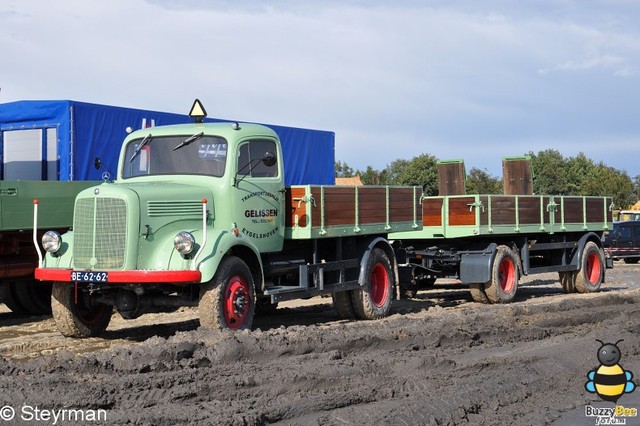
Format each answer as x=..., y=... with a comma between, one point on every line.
x=379, y=285
x=593, y=268
x=236, y=302
x=507, y=275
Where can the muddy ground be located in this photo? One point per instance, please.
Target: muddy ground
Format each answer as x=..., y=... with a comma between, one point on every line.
x=438, y=359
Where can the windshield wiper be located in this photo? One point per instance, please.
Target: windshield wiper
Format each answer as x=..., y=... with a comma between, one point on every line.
x=144, y=143
x=189, y=140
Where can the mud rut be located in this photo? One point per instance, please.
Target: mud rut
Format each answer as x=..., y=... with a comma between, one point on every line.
x=439, y=359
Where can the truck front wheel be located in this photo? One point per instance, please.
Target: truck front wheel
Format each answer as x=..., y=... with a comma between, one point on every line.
x=502, y=286
x=76, y=314
x=591, y=273
x=373, y=301
x=228, y=300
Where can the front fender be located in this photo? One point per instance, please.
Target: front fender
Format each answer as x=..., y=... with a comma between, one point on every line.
x=210, y=258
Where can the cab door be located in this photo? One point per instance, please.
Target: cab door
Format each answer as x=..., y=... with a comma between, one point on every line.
x=259, y=183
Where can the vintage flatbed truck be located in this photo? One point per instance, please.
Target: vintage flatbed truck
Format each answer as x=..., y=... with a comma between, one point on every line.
x=200, y=215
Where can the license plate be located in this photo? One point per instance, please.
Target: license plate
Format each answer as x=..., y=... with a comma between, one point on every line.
x=89, y=277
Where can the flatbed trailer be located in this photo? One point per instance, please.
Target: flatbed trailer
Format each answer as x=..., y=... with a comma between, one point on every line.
x=466, y=236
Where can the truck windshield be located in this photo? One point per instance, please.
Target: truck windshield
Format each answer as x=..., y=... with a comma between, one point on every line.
x=206, y=155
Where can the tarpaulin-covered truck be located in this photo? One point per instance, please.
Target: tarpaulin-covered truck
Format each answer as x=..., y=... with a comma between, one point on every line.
x=49, y=151
x=206, y=215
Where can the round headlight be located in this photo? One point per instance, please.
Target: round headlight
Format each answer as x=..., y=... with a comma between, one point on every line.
x=184, y=242
x=51, y=241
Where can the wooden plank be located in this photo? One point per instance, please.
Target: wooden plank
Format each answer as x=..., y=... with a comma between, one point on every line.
x=451, y=176
x=572, y=210
x=518, y=179
x=459, y=212
x=503, y=210
x=529, y=210
x=402, y=203
x=294, y=205
x=432, y=211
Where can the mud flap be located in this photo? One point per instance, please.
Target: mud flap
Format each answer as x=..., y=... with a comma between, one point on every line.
x=475, y=266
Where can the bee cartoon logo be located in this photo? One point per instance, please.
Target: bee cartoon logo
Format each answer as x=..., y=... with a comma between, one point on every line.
x=610, y=381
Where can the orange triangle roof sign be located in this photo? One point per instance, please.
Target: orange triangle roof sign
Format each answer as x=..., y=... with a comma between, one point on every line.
x=197, y=111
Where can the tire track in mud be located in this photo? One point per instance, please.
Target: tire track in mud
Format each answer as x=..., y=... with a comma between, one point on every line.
x=499, y=364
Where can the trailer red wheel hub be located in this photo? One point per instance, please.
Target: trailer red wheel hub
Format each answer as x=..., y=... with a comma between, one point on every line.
x=379, y=284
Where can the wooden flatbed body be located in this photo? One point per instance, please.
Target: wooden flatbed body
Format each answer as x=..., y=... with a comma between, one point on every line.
x=317, y=211
x=462, y=216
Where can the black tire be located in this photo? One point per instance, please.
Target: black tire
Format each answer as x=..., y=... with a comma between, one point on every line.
x=373, y=301
x=505, y=274
x=228, y=301
x=568, y=281
x=589, y=277
x=343, y=305
x=631, y=260
x=9, y=298
x=477, y=293
x=264, y=307
x=35, y=296
x=83, y=319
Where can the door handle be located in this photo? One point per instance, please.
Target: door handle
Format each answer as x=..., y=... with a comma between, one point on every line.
x=9, y=191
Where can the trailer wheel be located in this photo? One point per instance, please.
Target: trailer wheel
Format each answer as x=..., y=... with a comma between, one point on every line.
x=591, y=273
x=373, y=301
x=477, y=293
x=343, y=305
x=502, y=286
x=83, y=319
x=568, y=281
x=228, y=300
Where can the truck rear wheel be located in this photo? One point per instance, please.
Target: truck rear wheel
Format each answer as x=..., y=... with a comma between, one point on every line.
x=373, y=301
x=503, y=285
x=82, y=319
x=228, y=300
x=591, y=273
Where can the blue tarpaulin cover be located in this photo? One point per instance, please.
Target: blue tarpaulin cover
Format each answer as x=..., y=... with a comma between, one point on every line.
x=86, y=131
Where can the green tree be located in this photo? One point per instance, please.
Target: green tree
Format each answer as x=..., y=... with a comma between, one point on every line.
x=549, y=173
x=372, y=176
x=481, y=182
x=419, y=171
x=342, y=169
x=578, y=169
x=611, y=182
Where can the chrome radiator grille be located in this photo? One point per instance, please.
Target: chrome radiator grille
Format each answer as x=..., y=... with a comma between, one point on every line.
x=100, y=233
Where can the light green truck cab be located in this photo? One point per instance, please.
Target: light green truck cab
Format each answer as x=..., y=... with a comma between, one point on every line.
x=184, y=196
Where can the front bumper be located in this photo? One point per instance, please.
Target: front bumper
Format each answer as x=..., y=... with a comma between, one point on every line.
x=125, y=277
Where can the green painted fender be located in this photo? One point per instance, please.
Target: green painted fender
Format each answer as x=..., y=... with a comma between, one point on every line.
x=210, y=258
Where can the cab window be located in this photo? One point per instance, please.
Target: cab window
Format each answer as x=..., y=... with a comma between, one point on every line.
x=250, y=158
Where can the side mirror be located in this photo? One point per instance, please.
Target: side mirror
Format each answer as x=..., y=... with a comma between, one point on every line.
x=97, y=163
x=269, y=159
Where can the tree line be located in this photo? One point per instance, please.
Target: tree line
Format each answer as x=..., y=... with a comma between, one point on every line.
x=553, y=174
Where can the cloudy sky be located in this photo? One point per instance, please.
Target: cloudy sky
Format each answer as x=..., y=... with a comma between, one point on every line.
x=458, y=79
